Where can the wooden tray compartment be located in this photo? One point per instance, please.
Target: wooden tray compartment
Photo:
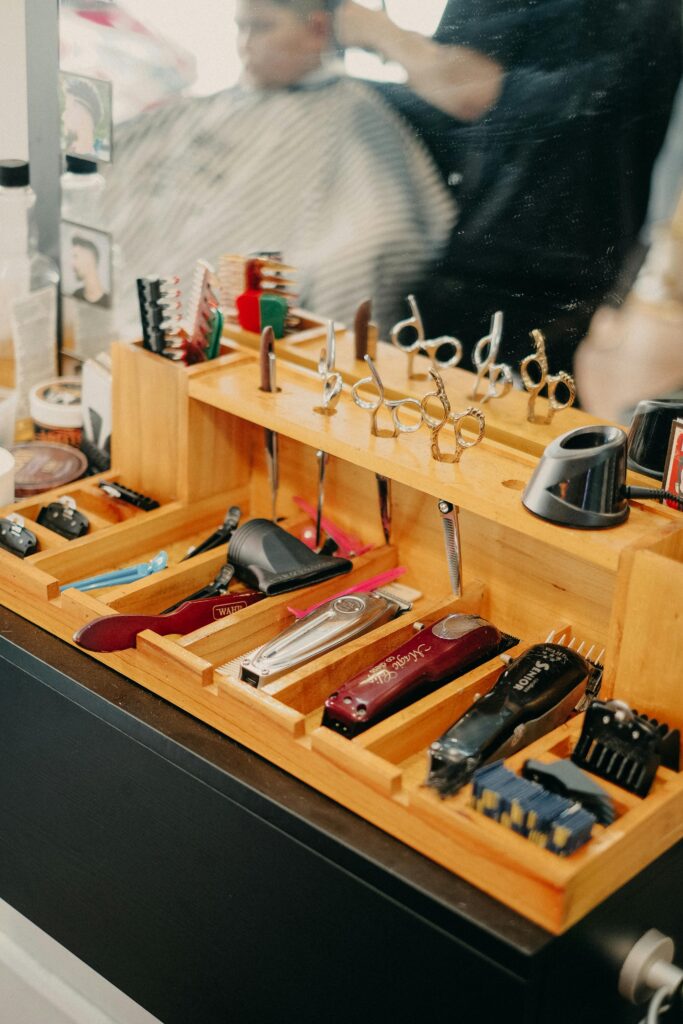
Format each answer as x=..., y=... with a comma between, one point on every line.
x=204, y=428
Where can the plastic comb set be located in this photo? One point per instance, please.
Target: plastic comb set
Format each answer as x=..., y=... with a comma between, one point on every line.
x=555, y=822
x=258, y=291
x=163, y=330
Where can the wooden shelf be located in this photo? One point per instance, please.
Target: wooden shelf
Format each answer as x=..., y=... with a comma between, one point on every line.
x=193, y=439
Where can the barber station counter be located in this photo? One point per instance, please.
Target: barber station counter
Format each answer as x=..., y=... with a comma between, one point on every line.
x=210, y=886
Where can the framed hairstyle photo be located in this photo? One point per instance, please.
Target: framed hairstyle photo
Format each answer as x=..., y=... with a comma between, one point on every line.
x=86, y=116
x=86, y=256
x=673, y=467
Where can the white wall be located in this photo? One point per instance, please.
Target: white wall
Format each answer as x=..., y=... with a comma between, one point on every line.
x=13, y=125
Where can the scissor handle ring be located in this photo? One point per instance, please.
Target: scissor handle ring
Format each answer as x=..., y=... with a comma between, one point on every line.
x=445, y=339
x=363, y=403
x=397, y=404
x=561, y=378
x=413, y=346
x=529, y=383
x=457, y=419
x=332, y=388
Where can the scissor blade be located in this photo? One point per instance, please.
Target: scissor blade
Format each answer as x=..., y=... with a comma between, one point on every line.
x=322, y=458
x=384, y=494
x=451, y=533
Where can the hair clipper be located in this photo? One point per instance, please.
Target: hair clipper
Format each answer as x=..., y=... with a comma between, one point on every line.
x=535, y=693
x=428, y=659
x=331, y=625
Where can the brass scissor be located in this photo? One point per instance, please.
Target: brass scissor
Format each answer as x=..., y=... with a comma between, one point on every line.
x=332, y=380
x=484, y=358
x=456, y=420
x=443, y=352
x=393, y=406
x=535, y=386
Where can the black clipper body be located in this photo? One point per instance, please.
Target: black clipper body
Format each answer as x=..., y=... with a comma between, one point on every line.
x=17, y=538
x=535, y=693
x=63, y=517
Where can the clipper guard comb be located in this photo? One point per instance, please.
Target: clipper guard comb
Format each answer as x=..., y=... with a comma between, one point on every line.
x=626, y=748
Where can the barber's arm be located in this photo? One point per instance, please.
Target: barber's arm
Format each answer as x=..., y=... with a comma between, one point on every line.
x=460, y=81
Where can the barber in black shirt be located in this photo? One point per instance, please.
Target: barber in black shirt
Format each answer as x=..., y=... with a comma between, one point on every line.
x=545, y=116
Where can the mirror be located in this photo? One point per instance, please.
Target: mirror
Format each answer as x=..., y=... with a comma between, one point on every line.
x=513, y=172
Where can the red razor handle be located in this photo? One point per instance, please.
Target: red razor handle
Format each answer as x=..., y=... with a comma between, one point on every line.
x=431, y=657
x=118, y=632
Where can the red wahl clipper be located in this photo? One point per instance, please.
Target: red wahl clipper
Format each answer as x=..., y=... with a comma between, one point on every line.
x=433, y=656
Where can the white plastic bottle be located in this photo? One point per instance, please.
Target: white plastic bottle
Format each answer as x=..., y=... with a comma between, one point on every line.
x=29, y=283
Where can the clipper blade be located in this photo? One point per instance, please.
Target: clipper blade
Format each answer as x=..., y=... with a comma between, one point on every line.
x=595, y=662
x=447, y=776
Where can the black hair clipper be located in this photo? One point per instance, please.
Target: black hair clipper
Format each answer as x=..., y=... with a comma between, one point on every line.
x=267, y=558
x=535, y=693
x=624, y=747
x=17, y=538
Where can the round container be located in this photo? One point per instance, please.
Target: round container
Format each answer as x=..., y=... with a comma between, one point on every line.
x=40, y=466
x=56, y=411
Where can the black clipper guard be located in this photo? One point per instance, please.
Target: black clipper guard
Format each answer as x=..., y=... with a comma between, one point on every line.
x=267, y=558
x=626, y=748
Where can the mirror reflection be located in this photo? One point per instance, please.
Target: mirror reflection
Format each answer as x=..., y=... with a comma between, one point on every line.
x=480, y=154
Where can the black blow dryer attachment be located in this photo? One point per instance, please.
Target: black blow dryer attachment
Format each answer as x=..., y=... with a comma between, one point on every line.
x=267, y=558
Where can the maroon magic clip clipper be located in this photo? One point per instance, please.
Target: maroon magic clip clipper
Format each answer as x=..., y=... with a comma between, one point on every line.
x=434, y=656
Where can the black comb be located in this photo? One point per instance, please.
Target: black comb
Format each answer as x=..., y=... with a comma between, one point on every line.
x=618, y=744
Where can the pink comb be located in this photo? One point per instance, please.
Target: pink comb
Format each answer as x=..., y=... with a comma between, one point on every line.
x=349, y=546
x=377, y=581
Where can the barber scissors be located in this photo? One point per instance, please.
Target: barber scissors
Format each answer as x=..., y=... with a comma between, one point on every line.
x=448, y=417
x=535, y=386
x=443, y=351
x=332, y=380
x=393, y=406
x=484, y=358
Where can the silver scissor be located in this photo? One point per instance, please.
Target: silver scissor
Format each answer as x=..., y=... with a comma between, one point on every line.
x=332, y=380
x=535, y=384
x=448, y=417
x=484, y=358
x=393, y=406
x=443, y=352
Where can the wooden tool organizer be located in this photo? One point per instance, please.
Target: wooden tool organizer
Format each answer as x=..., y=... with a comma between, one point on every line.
x=193, y=439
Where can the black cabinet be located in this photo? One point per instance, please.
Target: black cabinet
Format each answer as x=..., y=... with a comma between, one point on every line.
x=211, y=887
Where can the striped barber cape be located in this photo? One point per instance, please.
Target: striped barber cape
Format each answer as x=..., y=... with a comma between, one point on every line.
x=325, y=173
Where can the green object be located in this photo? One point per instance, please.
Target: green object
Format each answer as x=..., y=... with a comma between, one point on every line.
x=216, y=332
x=273, y=310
